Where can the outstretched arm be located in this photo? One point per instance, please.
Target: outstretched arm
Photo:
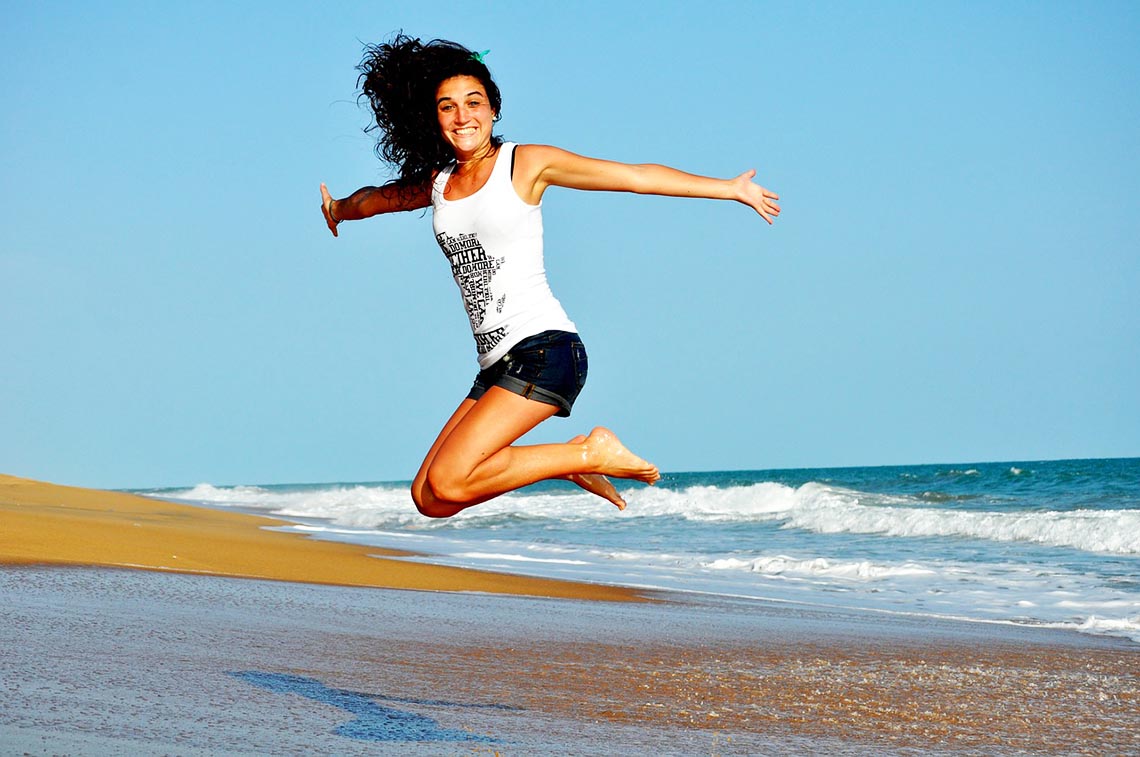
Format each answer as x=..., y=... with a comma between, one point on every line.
x=370, y=201
x=541, y=166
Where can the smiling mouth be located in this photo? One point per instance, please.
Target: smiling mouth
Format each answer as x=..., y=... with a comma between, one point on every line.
x=465, y=131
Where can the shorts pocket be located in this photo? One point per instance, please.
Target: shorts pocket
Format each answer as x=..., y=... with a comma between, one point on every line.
x=527, y=364
x=581, y=363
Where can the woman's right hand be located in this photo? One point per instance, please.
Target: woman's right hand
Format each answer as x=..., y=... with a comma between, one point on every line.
x=326, y=208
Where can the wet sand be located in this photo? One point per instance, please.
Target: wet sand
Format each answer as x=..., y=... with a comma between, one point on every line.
x=100, y=660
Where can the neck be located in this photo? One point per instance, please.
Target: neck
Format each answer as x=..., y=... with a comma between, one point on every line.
x=475, y=157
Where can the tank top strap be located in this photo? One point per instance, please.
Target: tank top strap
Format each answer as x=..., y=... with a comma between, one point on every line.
x=439, y=183
x=504, y=165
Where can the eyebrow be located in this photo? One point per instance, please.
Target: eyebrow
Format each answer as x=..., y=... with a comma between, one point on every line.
x=473, y=92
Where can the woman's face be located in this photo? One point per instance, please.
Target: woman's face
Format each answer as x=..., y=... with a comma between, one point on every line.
x=465, y=115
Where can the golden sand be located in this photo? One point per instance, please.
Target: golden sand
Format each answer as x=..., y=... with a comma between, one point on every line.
x=43, y=523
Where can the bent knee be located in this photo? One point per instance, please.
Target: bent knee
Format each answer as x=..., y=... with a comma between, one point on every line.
x=445, y=487
x=430, y=505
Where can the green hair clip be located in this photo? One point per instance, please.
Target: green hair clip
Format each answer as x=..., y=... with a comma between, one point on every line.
x=479, y=56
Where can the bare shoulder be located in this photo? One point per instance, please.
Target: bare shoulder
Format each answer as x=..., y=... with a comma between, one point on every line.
x=532, y=162
x=541, y=157
x=533, y=151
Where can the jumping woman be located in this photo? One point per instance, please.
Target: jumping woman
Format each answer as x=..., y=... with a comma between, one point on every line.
x=435, y=106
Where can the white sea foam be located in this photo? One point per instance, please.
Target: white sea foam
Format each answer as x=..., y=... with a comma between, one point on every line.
x=508, y=557
x=763, y=501
x=826, y=509
x=356, y=506
x=1129, y=628
x=863, y=570
x=814, y=507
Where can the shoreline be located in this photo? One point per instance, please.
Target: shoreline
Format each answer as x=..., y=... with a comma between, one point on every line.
x=52, y=524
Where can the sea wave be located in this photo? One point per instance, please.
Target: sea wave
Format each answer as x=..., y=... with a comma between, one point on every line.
x=354, y=505
x=814, y=507
x=762, y=501
x=1128, y=628
x=824, y=509
x=829, y=509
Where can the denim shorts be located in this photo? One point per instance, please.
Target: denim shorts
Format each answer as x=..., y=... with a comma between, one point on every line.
x=549, y=367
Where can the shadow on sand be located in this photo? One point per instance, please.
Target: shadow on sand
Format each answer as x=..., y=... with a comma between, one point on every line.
x=374, y=721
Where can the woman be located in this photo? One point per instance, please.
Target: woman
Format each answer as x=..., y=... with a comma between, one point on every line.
x=435, y=105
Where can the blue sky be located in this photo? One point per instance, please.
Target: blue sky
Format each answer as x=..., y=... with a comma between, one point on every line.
x=954, y=277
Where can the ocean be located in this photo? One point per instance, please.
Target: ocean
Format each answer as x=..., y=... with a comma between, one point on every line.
x=1054, y=543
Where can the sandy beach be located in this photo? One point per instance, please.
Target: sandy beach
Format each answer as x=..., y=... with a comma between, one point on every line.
x=187, y=658
x=63, y=525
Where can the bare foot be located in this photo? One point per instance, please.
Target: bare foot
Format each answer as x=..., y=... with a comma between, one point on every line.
x=595, y=483
x=612, y=458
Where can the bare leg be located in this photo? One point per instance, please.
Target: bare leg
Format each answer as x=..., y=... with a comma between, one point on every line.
x=595, y=483
x=472, y=460
x=421, y=494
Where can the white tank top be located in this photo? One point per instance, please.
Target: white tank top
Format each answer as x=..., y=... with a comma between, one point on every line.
x=493, y=241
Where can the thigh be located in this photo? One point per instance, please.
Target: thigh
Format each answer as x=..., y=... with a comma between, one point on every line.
x=459, y=414
x=492, y=423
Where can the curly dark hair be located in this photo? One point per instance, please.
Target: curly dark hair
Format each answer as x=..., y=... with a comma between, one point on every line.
x=400, y=79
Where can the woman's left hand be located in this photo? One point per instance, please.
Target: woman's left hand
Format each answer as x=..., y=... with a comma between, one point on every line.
x=755, y=196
